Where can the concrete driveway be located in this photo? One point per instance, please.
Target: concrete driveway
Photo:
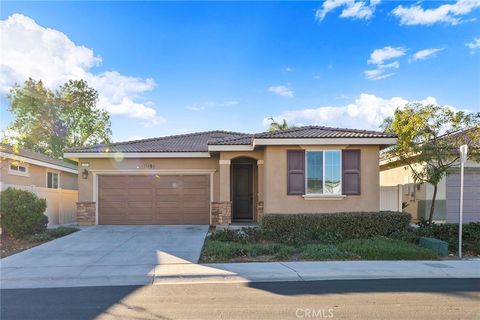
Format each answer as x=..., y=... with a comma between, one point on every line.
x=103, y=255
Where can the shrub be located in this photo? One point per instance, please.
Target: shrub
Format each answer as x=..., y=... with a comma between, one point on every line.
x=324, y=252
x=253, y=234
x=449, y=233
x=333, y=227
x=22, y=212
x=244, y=235
x=40, y=237
x=408, y=235
x=380, y=248
x=61, y=231
x=224, y=235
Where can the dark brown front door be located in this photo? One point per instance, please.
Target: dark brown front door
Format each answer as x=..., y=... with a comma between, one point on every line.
x=242, y=192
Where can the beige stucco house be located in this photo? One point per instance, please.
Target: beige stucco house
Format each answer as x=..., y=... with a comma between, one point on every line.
x=418, y=197
x=220, y=177
x=49, y=178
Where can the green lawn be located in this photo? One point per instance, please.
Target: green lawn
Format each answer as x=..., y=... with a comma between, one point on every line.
x=378, y=248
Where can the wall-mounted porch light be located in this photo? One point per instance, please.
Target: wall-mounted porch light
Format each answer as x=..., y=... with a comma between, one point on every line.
x=85, y=174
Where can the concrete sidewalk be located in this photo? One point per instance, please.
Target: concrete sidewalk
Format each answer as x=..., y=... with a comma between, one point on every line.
x=251, y=272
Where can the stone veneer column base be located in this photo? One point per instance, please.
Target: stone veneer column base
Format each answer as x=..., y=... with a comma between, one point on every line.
x=259, y=210
x=221, y=212
x=86, y=213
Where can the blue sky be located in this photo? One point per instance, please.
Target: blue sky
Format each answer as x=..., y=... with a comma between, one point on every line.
x=172, y=67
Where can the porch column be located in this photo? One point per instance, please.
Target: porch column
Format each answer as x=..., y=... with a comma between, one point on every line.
x=222, y=210
x=260, y=206
x=224, y=180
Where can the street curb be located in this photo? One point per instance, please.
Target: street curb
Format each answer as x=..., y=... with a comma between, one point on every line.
x=257, y=272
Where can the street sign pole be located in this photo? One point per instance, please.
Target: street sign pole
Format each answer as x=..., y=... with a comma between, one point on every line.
x=463, y=159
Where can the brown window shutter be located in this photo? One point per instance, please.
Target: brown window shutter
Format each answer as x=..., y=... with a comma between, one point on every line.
x=295, y=172
x=351, y=172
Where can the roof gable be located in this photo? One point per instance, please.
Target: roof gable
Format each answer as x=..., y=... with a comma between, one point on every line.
x=191, y=142
x=20, y=152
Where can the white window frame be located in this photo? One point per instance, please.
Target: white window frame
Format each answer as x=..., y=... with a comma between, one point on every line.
x=17, y=172
x=46, y=179
x=323, y=194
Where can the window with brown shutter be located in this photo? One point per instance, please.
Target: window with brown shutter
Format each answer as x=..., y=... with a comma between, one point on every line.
x=295, y=172
x=351, y=172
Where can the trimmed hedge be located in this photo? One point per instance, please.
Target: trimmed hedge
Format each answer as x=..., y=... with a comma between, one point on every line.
x=22, y=213
x=332, y=227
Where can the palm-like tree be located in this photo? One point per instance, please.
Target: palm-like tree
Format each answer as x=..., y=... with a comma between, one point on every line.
x=275, y=126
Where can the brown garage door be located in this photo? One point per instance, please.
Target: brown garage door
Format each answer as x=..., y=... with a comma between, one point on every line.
x=154, y=199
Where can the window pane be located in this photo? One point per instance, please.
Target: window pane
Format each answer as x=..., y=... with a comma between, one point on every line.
x=22, y=169
x=315, y=172
x=13, y=167
x=49, y=179
x=55, y=181
x=332, y=172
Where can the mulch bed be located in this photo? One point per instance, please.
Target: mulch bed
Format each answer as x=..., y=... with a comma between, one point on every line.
x=10, y=245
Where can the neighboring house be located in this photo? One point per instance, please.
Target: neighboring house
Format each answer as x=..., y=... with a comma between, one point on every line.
x=418, y=197
x=221, y=177
x=49, y=178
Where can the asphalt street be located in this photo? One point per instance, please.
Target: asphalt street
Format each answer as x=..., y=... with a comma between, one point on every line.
x=335, y=299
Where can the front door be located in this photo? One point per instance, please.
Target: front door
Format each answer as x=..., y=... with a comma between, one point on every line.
x=242, y=192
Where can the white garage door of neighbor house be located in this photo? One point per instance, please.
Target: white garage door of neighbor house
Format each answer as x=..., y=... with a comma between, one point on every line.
x=471, y=197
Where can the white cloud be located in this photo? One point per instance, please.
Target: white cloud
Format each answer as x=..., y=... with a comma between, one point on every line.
x=133, y=138
x=210, y=104
x=288, y=69
x=367, y=112
x=475, y=44
x=425, y=54
x=447, y=13
x=382, y=71
x=30, y=50
x=355, y=9
x=283, y=91
x=378, y=56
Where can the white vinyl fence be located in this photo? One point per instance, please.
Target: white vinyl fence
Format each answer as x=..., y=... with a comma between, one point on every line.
x=61, y=203
x=391, y=198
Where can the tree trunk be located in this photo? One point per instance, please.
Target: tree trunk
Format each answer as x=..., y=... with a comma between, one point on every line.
x=432, y=207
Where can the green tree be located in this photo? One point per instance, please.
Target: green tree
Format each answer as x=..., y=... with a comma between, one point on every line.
x=49, y=121
x=428, y=140
x=275, y=126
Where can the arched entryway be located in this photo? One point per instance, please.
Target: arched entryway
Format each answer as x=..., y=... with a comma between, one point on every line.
x=243, y=188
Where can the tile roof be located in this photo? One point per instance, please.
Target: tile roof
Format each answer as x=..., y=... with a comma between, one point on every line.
x=322, y=132
x=198, y=142
x=192, y=142
x=465, y=136
x=305, y=133
x=458, y=138
x=35, y=156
